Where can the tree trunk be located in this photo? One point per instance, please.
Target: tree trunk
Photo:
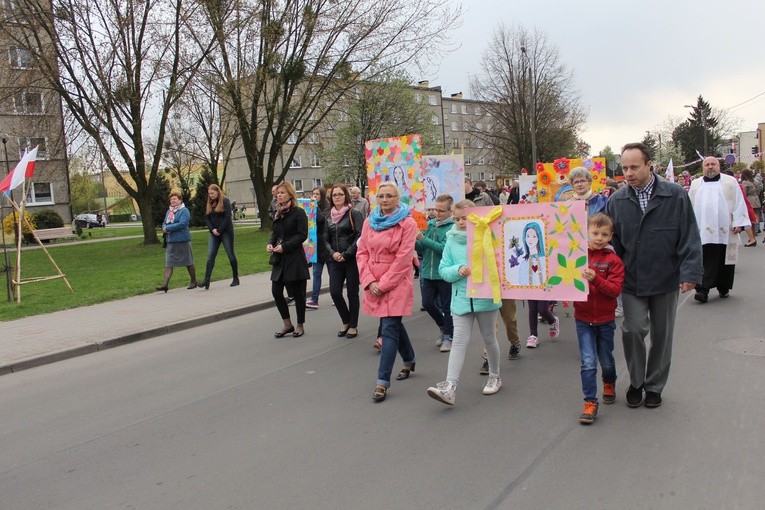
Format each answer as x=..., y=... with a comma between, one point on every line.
x=149, y=229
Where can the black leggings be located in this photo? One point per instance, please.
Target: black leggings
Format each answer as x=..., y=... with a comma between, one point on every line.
x=295, y=289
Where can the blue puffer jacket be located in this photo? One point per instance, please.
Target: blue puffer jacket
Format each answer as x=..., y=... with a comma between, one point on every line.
x=454, y=257
x=178, y=231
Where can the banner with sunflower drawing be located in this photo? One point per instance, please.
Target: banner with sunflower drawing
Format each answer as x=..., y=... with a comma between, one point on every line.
x=528, y=251
x=552, y=178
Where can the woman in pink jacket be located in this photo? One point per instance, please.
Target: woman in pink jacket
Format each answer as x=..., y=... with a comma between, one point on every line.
x=384, y=257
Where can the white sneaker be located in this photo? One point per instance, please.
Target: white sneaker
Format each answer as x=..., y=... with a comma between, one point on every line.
x=555, y=328
x=439, y=340
x=443, y=392
x=531, y=342
x=493, y=384
x=446, y=346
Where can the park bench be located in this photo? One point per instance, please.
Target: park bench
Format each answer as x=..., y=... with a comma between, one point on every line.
x=47, y=234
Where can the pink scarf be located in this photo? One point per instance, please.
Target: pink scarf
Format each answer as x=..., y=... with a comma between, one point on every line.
x=337, y=214
x=171, y=212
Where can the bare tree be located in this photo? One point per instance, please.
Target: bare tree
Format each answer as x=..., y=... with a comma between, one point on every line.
x=201, y=129
x=523, y=75
x=284, y=65
x=119, y=66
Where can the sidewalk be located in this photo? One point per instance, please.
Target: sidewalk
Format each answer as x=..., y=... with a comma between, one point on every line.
x=47, y=338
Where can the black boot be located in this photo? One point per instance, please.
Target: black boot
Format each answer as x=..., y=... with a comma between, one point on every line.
x=205, y=284
x=234, y=282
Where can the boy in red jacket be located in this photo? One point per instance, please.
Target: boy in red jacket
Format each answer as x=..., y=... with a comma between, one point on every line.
x=595, y=317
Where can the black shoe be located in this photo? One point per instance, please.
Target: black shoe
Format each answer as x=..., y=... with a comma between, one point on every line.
x=515, y=352
x=234, y=282
x=701, y=297
x=484, y=368
x=162, y=288
x=652, y=399
x=192, y=285
x=205, y=284
x=286, y=331
x=634, y=396
x=724, y=294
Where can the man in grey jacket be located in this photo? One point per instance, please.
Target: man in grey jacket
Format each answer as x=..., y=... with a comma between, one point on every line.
x=656, y=235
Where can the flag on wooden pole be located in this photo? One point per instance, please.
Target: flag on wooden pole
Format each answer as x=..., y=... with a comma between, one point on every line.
x=24, y=170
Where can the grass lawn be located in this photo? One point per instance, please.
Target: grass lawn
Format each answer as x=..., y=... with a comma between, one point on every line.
x=119, y=268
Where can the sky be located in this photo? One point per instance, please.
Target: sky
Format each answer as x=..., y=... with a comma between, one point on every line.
x=635, y=64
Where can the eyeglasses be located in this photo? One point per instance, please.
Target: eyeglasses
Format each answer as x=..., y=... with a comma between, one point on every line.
x=580, y=182
x=387, y=197
x=338, y=194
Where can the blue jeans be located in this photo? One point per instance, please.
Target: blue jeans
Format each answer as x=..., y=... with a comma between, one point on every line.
x=596, y=343
x=227, y=239
x=318, y=268
x=395, y=339
x=437, y=300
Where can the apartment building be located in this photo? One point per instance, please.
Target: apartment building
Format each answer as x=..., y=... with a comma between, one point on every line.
x=31, y=115
x=463, y=126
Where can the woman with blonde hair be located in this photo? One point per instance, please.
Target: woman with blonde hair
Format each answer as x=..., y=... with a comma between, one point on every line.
x=178, y=238
x=290, y=268
x=218, y=219
x=384, y=256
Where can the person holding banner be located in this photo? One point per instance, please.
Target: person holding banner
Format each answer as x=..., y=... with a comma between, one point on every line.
x=454, y=268
x=290, y=268
x=384, y=255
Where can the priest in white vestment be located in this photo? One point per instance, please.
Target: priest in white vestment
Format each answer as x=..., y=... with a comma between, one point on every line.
x=721, y=215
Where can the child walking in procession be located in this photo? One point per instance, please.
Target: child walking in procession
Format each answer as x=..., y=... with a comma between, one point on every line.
x=595, y=317
x=454, y=268
x=436, y=292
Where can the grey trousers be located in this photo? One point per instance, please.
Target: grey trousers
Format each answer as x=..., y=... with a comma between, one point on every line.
x=654, y=314
x=463, y=325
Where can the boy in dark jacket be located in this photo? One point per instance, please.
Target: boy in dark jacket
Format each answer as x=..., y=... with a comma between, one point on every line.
x=595, y=323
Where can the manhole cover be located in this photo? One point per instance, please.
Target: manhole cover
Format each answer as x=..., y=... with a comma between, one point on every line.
x=748, y=346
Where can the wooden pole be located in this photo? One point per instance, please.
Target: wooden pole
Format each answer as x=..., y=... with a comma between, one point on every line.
x=18, y=241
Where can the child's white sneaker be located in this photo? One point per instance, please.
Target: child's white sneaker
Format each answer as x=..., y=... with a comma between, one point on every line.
x=493, y=384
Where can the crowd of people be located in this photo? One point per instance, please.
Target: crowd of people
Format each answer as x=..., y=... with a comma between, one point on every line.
x=649, y=239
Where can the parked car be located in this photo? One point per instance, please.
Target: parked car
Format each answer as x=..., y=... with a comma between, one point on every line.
x=87, y=221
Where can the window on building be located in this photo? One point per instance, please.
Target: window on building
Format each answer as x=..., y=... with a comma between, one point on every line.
x=298, y=183
x=481, y=176
x=467, y=142
x=455, y=126
x=418, y=98
x=468, y=159
x=456, y=143
x=479, y=144
x=434, y=120
x=454, y=108
x=464, y=109
x=478, y=110
x=28, y=102
x=433, y=100
x=40, y=193
x=342, y=116
x=30, y=143
x=465, y=127
x=9, y=5
x=480, y=161
x=315, y=161
x=313, y=138
x=21, y=58
x=295, y=163
x=317, y=183
x=292, y=138
x=478, y=126
x=346, y=163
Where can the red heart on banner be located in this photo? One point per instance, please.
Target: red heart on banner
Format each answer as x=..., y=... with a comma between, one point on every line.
x=534, y=268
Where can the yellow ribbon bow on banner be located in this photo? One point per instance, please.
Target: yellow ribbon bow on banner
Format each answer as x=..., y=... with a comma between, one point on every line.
x=484, y=243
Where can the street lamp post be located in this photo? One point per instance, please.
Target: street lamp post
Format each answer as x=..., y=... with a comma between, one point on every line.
x=533, y=114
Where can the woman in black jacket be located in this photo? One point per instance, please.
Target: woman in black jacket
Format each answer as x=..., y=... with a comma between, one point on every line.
x=343, y=228
x=290, y=268
x=218, y=219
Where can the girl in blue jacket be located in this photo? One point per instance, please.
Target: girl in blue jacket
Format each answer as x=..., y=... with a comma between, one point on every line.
x=454, y=268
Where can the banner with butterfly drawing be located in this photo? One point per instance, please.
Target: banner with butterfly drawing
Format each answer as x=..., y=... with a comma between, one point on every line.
x=529, y=251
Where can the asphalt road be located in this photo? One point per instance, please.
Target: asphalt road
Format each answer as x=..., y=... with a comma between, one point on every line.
x=226, y=416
